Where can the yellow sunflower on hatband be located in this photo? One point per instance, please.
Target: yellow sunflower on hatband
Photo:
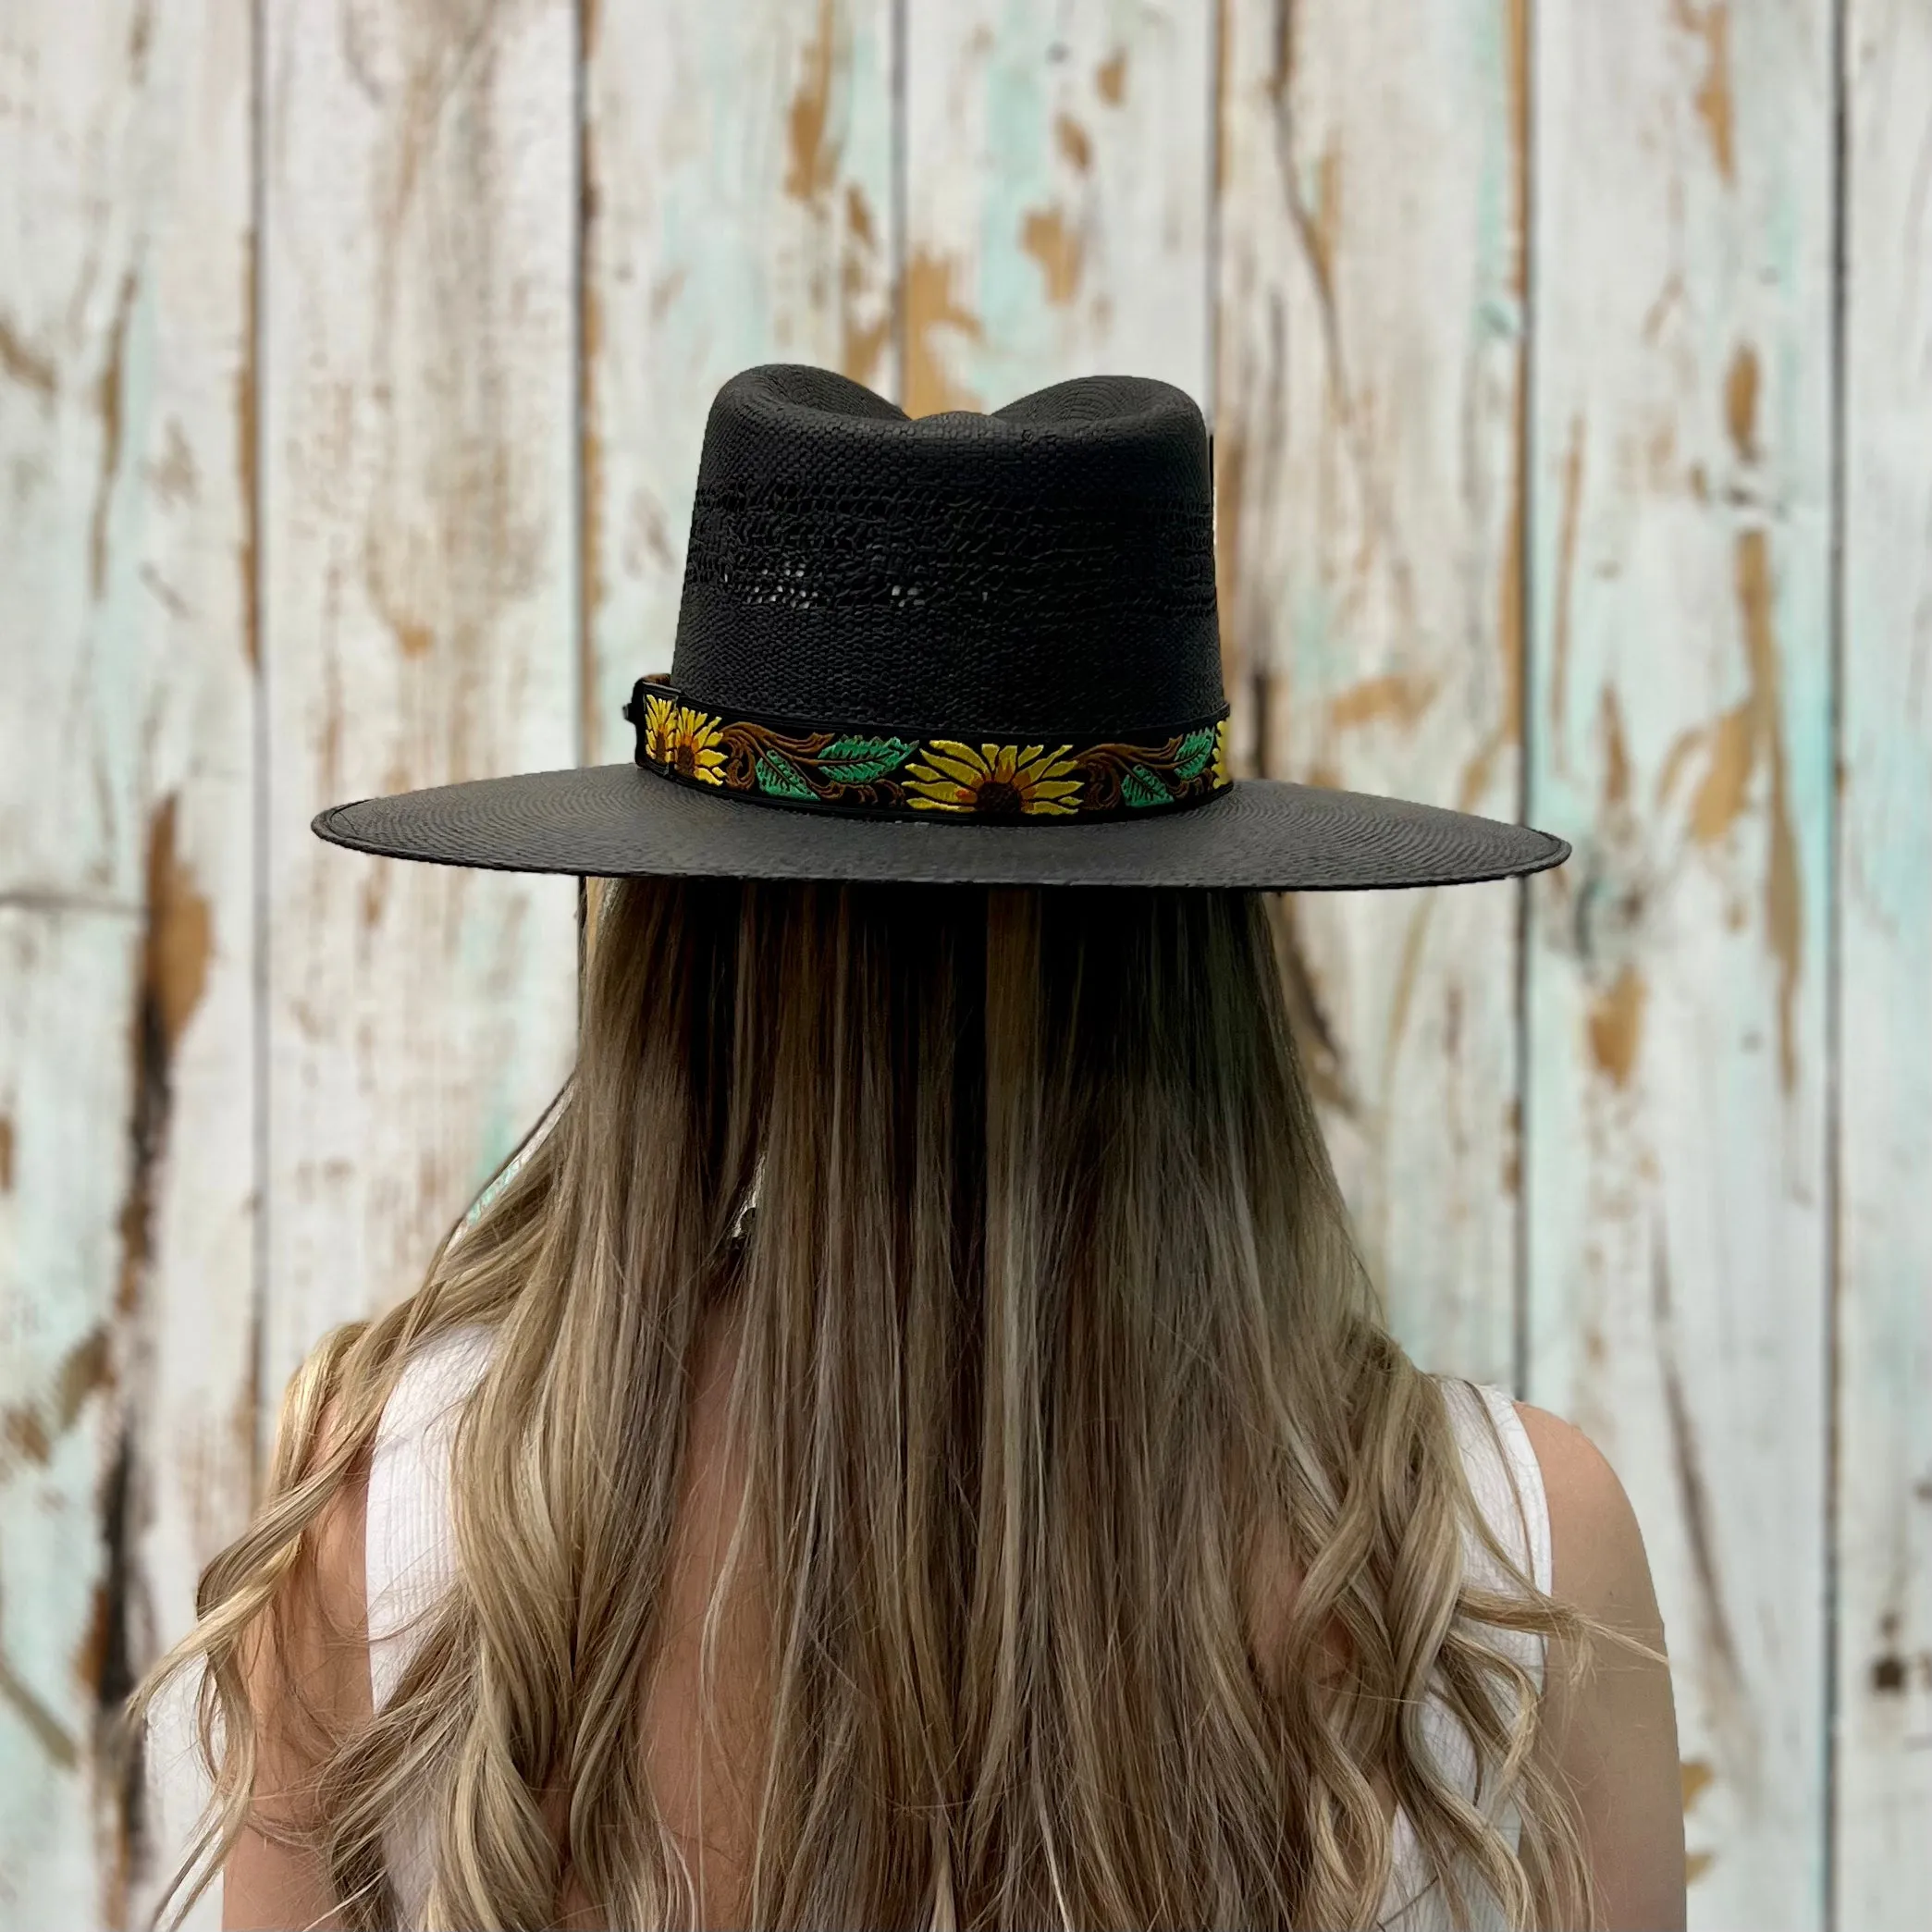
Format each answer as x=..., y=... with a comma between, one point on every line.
x=696, y=746
x=995, y=781
x=660, y=725
x=1220, y=767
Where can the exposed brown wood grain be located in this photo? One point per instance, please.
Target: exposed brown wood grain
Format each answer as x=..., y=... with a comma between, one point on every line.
x=933, y=310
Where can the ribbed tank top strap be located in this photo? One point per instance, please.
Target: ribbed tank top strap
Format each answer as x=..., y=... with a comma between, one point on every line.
x=1507, y=1479
x=408, y=1555
x=409, y=1552
x=1511, y=1493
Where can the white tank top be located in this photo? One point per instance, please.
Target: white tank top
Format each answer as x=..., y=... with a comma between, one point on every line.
x=411, y=1561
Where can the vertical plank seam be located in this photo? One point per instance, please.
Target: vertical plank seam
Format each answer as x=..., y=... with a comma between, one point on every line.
x=1211, y=266
x=1834, y=889
x=252, y=507
x=584, y=672
x=1525, y=133
x=898, y=214
x=581, y=612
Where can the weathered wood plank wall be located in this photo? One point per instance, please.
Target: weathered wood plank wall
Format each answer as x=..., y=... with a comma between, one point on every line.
x=418, y=384
x=351, y=391
x=1368, y=440
x=1677, y=1184
x=1057, y=197
x=127, y=774
x=1882, y=1800
x=738, y=190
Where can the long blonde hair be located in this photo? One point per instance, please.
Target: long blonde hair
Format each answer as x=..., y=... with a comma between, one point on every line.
x=1052, y=1328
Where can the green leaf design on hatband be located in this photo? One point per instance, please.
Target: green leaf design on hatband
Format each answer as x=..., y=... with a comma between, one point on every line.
x=1197, y=748
x=1139, y=786
x=854, y=762
x=777, y=773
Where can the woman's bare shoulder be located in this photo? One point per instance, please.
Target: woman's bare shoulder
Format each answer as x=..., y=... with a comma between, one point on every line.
x=1612, y=1735
x=1582, y=1486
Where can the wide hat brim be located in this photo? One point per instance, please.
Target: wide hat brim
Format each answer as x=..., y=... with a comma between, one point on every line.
x=624, y=821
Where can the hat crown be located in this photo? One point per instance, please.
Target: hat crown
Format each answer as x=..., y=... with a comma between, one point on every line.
x=1047, y=570
x=969, y=649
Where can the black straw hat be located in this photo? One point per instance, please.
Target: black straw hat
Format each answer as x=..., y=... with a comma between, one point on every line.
x=961, y=648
